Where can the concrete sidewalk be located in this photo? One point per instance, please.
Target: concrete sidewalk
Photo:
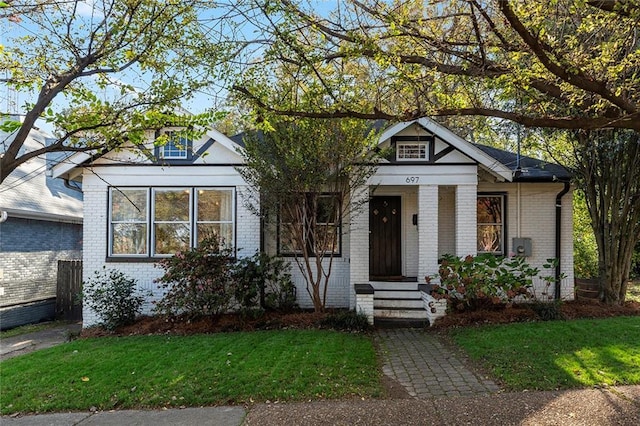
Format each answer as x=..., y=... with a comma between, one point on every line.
x=619, y=406
x=214, y=416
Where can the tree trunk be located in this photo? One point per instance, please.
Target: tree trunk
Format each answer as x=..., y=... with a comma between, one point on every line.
x=608, y=170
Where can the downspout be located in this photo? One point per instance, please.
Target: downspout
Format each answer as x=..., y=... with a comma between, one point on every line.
x=559, y=237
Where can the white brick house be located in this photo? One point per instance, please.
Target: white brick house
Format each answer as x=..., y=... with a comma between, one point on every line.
x=436, y=194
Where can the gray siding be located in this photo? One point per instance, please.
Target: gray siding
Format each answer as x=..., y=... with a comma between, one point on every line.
x=29, y=254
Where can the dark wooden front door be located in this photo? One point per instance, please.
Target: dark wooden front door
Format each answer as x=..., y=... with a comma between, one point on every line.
x=385, y=255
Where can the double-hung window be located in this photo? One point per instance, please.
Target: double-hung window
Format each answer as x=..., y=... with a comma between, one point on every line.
x=129, y=226
x=313, y=224
x=158, y=222
x=491, y=231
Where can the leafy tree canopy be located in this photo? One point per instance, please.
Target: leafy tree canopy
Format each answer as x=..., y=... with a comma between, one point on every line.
x=118, y=68
x=569, y=64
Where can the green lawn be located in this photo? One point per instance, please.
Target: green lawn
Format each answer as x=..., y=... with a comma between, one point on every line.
x=558, y=354
x=173, y=371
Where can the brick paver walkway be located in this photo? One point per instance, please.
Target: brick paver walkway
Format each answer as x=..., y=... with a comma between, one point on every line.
x=426, y=368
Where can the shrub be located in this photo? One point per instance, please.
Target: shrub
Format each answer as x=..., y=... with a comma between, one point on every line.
x=198, y=281
x=346, y=321
x=113, y=297
x=483, y=281
x=265, y=280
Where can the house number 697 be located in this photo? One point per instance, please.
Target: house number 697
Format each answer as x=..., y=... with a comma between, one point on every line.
x=412, y=179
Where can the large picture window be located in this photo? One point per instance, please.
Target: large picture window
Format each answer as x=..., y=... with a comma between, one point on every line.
x=157, y=222
x=491, y=231
x=314, y=222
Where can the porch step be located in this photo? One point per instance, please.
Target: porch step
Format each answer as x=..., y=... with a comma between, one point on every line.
x=381, y=303
x=397, y=294
x=395, y=286
x=400, y=302
x=404, y=313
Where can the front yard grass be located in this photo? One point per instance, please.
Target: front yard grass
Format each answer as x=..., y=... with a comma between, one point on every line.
x=558, y=354
x=174, y=371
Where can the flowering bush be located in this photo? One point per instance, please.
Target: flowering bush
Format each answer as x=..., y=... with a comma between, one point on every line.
x=198, y=281
x=482, y=281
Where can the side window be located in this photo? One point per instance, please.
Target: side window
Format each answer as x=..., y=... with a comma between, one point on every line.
x=491, y=233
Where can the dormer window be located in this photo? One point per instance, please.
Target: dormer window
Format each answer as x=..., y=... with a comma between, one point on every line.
x=177, y=147
x=411, y=151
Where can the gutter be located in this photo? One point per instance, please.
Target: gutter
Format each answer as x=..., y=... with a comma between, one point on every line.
x=558, y=273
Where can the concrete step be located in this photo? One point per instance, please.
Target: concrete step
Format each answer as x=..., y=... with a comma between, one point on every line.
x=400, y=313
x=400, y=286
x=397, y=303
x=397, y=294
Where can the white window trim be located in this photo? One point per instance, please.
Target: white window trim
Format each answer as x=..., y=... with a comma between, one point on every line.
x=337, y=225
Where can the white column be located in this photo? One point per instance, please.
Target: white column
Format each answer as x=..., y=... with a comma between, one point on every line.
x=359, y=241
x=427, y=231
x=466, y=220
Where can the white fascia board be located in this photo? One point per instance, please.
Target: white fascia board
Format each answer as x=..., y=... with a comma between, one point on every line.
x=498, y=169
x=67, y=166
x=394, y=130
x=224, y=140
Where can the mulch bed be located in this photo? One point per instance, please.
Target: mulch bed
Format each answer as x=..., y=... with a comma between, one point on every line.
x=524, y=313
x=218, y=324
x=308, y=320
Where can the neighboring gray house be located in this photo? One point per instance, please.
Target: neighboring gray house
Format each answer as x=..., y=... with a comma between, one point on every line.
x=40, y=223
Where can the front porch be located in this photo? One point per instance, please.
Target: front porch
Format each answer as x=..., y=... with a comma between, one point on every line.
x=397, y=239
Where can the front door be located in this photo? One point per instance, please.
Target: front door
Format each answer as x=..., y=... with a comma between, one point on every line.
x=385, y=253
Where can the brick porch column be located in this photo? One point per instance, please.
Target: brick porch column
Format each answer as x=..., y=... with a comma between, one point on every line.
x=427, y=231
x=466, y=220
x=359, y=242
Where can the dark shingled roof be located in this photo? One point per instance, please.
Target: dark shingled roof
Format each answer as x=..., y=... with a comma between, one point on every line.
x=531, y=169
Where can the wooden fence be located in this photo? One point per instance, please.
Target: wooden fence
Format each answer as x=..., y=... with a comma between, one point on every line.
x=68, y=303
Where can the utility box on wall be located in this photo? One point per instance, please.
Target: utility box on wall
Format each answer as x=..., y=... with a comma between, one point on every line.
x=522, y=247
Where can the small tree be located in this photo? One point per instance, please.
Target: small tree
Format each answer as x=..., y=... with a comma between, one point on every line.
x=305, y=172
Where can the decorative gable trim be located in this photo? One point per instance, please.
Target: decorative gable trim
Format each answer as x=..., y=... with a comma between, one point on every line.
x=455, y=142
